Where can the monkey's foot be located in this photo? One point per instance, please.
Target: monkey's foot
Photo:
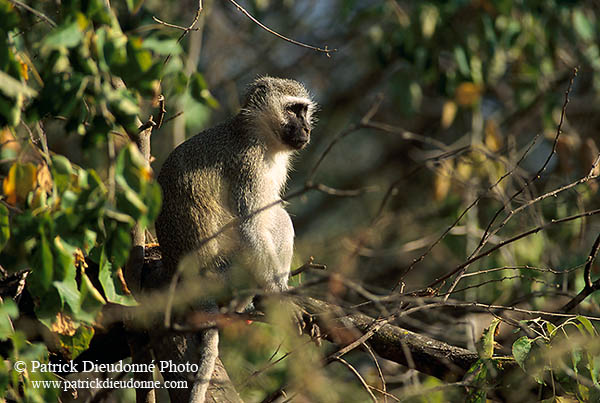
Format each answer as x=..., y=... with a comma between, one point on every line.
x=306, y=323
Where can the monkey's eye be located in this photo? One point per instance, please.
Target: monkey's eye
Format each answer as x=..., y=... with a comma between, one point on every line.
x=297, y=109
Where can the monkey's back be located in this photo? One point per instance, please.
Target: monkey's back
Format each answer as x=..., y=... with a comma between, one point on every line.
x=197, y=198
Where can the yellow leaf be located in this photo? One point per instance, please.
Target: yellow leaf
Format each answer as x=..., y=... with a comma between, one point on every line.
x=493, y=140
x=8, y=141
x=467, y=94
x=24, y=70
x=448, y=114
x=20, y=181
x=464, y=169
x=442, y=180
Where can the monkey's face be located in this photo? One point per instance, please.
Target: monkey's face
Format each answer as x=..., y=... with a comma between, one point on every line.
x=295, y=131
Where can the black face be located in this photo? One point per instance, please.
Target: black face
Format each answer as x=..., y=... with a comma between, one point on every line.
x=296, y=132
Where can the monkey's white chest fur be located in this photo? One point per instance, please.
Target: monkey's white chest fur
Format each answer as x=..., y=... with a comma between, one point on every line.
x=276, y=173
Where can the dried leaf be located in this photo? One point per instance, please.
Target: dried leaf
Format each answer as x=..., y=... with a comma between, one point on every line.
x=44, y=178
x=493, y=140
x=8, y=141
x=442, y=180
x=467, y=94
x=63, y=325
x=448, y=114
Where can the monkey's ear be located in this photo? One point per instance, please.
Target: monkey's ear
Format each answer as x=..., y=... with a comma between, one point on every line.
x=256, y=92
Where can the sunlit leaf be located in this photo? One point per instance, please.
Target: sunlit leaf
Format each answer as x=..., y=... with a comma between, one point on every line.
x=443, y=180
x=77, y=343
x=12, y=87
x=162, y=47
x=448, y=114
x=520, y=349
x=583, y=25
x=493, y=139
x=20, y=181
x=487, y=343
x=67, y=36
x=114, y=288
x=467, y=94
x=91, y=300
x=587, y=324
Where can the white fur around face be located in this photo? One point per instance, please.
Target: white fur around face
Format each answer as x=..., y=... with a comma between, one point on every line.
x=271, y=118
x=291, y=100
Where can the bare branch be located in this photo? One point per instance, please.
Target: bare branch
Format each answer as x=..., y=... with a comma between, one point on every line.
x=325, y=50
x=35, y=12
x=360, y=378
x=511, y=240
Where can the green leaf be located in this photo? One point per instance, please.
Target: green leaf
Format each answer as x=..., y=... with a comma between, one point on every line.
x=587, y=325
x=68, y=292
x=486, y=344
x=42, y=261
x=462, y=62
x=520, y=349
x=130, y=203
x=477, y=376
x=78, y=343
x=11, y=87
x=118, y=243
x=64, y=36
x=140, y=59
x=8, y=311
x=109, y=278
x=4, y=226
x=550, y=328
x=91, y=300
x=8, y=18
x=583, y=25
x=199, y=91
x=162, y=47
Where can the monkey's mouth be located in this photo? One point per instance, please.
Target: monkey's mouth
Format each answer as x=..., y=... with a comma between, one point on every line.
x=296, y=138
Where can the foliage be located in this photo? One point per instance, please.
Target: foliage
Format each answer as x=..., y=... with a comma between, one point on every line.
x=55, y=213
x=473, y=92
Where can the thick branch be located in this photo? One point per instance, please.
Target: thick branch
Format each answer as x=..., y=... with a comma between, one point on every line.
x=430, y=356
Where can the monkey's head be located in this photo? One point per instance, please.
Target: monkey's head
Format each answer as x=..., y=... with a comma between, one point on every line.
x=281, y=110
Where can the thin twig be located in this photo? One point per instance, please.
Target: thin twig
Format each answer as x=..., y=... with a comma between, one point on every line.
x=383, y=390
x=539, y=173
x=466, y=210
x=174, y=116
x=488, y=232
x=35, y=12
x=589, y=286
x=325, y=50
x=161, y=22
x=308, y=265
x=185, y=30
x=360, y=378
x=510, y=240
x=587, y=277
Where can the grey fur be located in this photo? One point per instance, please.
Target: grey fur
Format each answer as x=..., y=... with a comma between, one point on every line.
x=230, y=171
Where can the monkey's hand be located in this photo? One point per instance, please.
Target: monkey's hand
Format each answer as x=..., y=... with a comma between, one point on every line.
x=305, y=322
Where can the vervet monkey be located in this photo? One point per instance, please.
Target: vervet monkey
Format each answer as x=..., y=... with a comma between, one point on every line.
x=227, y=172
